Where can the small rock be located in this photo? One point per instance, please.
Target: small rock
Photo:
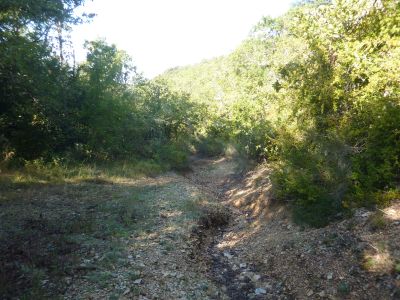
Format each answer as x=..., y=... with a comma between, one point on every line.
x=260, y=291
x=228, y=255
x=256, y=277
x=203, y=286
x=321, y=294
x=130, y=256
x=165, y=273
x=44, y=282
x=235, y=267
x=244, y=286
x=127, y=291
x=329, y=276
x=138, y=281
x=247, y=276
x=310, y=293
x=243, y=265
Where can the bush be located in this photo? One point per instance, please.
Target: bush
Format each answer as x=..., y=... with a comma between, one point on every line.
x=210, y=146
x=313, y=177
x=147, y=167
x=173, y=156
x=376, y=164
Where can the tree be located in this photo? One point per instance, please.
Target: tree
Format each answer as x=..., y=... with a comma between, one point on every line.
x=32, y=79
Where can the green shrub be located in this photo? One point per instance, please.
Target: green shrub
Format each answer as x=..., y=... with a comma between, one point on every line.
x=252, y=131
x=210, y=146
x=376, y=163
x=173, y=156
x=147, y=167
x=312, y=176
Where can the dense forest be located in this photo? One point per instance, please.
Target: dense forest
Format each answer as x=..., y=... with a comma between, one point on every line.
x=315, y=93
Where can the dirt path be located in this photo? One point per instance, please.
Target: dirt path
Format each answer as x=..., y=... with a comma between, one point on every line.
x=167, y=261
x=114, y=238
x=234, y=279
x=175, y=258
x=229, y=268
x=262, y=254
x=206, y=234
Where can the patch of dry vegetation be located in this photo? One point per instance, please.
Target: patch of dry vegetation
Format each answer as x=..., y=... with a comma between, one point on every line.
x=99, y=232
x=48, y=231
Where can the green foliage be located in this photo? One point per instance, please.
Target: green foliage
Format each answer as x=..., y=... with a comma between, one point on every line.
x=386, y=197
x=315, y=92
x=100, y=278
x=249, y=128
x=210, y=146
x=173, y=156
x=397, y=268
x=61, y=171
x=101, y=110
x=313, y=174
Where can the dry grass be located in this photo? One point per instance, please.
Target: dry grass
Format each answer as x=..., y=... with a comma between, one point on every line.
x=53, y=219
x=71, y=230
x=56, y=172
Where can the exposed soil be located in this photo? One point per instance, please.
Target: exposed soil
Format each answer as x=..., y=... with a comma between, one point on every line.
x=211, y=233
x=263, y=255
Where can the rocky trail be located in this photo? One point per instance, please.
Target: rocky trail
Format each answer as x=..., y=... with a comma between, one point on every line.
x=262, y=254
x=209, y=233
x=236, y=279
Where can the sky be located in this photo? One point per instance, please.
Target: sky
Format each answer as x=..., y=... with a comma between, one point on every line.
x=161, y=34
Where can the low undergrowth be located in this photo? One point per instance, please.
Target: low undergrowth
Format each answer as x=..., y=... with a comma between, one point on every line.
x=60, y=171
x=60, y=225
x=51, y=233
